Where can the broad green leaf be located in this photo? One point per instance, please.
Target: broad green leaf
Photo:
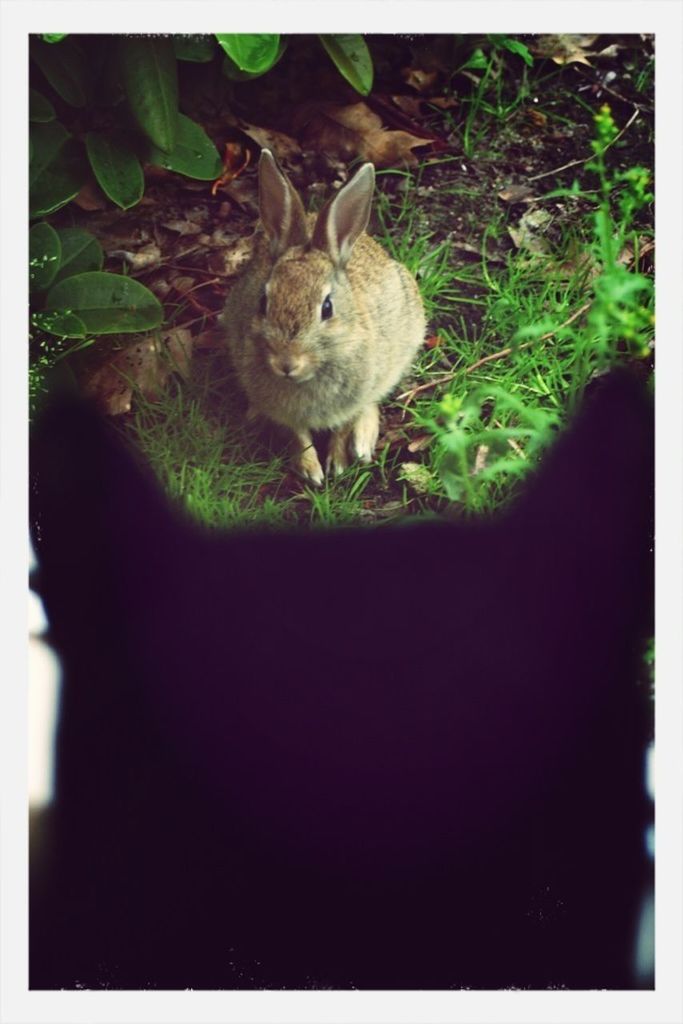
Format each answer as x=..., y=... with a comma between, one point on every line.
x=231, y=71
x=194, y=154
x=65, y=69
x=149, y=73
x=56, y=169
x=253, y=53
x=44, y=256
x=80, y=252
x=198, y=49
x=352, y=58
x=106, y=303
x=64, y=325
x=116, y=167
x=53, y=37
x=46, y=140
x=40, y=109
x=514, y=46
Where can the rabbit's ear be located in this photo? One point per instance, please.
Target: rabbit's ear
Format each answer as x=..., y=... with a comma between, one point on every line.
x=281, y=209
x=345, y=217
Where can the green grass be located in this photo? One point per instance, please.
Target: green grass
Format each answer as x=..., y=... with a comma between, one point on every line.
x=463, y=429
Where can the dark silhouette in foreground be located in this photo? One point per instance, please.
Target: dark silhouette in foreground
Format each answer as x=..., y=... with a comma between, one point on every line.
x=408, y=757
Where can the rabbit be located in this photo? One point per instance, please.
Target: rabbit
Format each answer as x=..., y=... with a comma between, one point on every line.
x=323, y=323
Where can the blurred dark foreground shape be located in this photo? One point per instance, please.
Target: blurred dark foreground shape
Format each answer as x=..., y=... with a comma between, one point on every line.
x=409, y=757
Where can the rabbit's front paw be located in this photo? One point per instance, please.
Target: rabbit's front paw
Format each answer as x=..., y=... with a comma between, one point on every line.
x=365, y=433
x=338, y=452
x=307, y=464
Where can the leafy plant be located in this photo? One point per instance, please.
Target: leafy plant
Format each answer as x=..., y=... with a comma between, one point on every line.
x=73, y=300
x=147, y=129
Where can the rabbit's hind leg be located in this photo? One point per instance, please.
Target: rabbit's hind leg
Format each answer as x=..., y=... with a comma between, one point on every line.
x=365, y=433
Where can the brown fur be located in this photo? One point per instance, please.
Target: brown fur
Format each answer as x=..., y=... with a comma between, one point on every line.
x=339, y=368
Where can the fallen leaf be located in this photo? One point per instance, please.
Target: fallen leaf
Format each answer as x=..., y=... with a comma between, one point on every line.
x=417, y=476
x=516, y=194
x=355, y=130
x=211, y=338
x=228, y=261
x=536, y=117
x=183, y=227
x=418, y=79
x=91, y=198
x=528, y=234
x=144, y=259
x=285, y=149
x=145, y=365
x=563, y=48
x=420, y=443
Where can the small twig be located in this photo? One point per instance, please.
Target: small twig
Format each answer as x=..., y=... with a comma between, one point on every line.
x=511, y=441
x=576, y=163
x=501, y=354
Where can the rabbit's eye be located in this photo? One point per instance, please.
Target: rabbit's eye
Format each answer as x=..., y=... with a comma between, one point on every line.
x=263, y=304
x=326, y=308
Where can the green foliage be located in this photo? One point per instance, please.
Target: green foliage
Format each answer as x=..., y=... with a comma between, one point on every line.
x=56, y=168
x=194, y=48
x=45, y=253
x=40, y=110
x=80, y=252
x=64, y=66
x=252, y=54
x=489, y=434
x=116, y=166
x=105, y=303
x=352, y=59
x=149, y=75
x=194, y=154
x=487, y=438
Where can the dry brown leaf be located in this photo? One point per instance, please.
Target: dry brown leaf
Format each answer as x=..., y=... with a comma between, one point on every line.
x=183, y=227
x=418, y=79
x=144, y=259
x=229, y=260
x=91, y=198
x=211, y=338
x=420, y=443
x=144, y=365
x=516, y=194
x=355, y=130
x=564, y=48
x=285, y=149
x=536, y=117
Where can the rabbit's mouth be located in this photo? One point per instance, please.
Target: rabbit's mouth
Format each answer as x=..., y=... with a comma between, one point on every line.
x=291, y=368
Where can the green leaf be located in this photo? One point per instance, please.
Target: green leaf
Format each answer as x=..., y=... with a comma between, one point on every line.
x=477, y=61
x=40, y=109
x=56, y=170
x=351, y=56
x=106, y=303
x=198, y=49
x=44, y=256
x=116, y=167
x=65, y=69
x=64, y=325
x=149, y=73
x=53, y=37
x=253, y=53
x=194, y=154
x=80, y=252
x=514, y=46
